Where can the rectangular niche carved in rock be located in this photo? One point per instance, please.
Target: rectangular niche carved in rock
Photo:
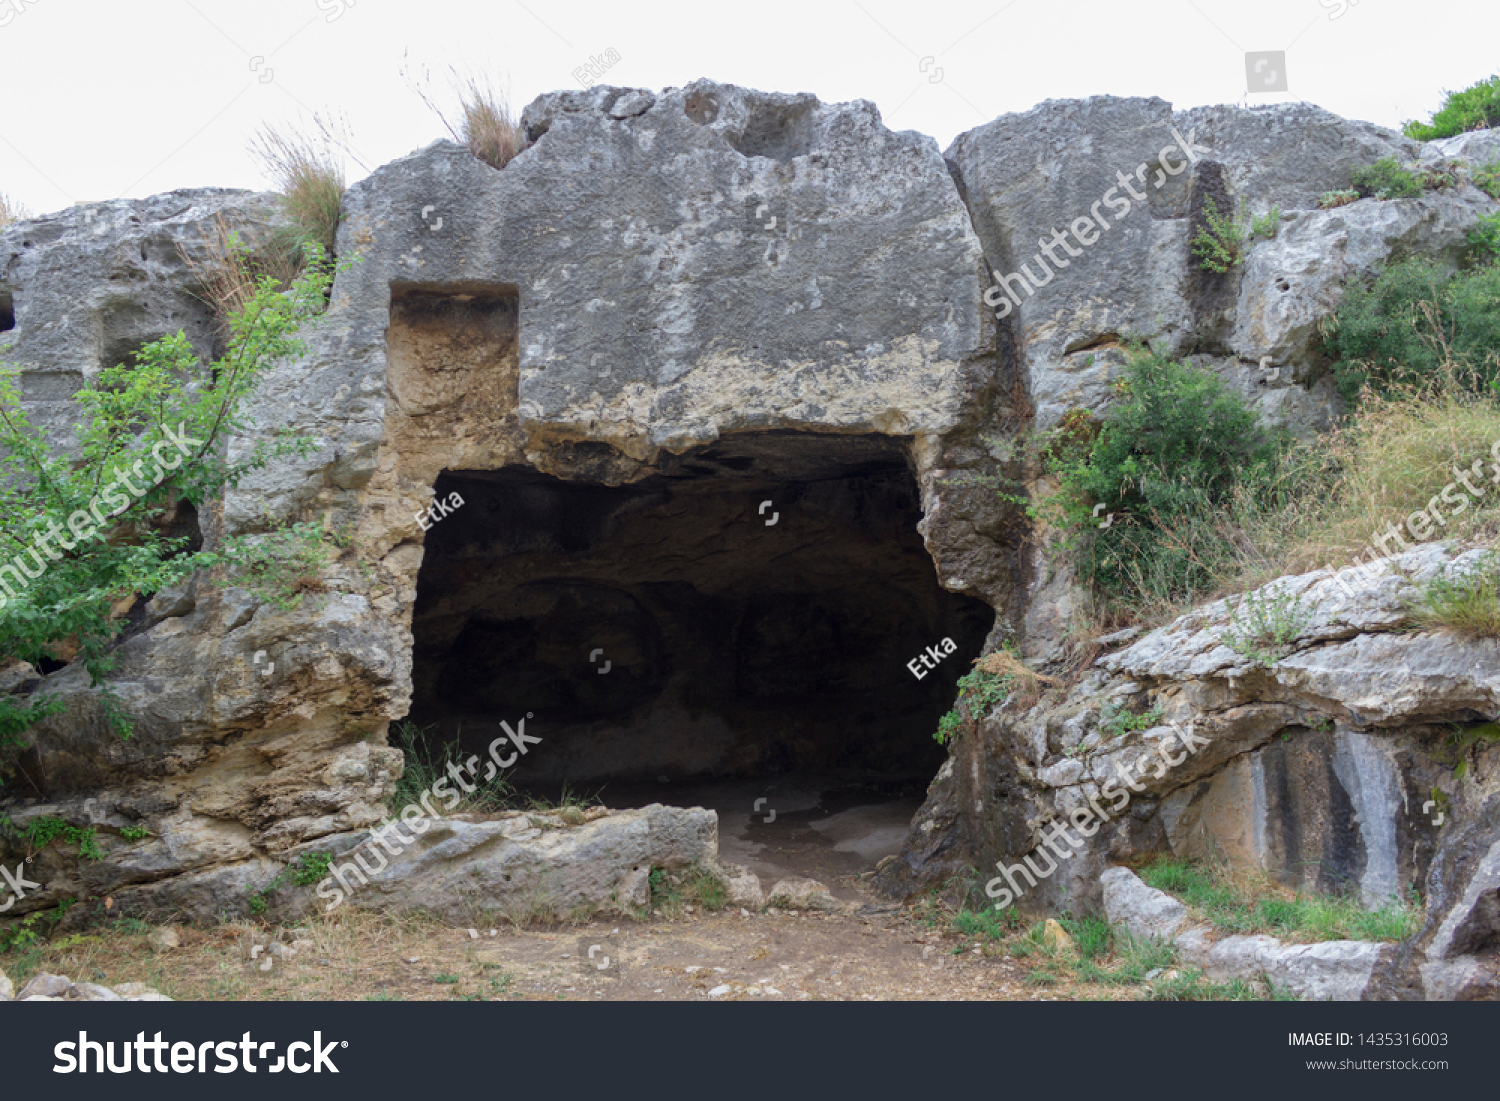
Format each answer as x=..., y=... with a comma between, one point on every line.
x=453, y=355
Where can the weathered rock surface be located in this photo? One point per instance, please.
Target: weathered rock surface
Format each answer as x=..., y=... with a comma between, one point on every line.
x=801, y=894
x=520, y=863
x=58, y=988
x=1331, y=769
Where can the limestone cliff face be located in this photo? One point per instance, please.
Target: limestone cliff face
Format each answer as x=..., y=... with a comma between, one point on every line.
x=674, y=306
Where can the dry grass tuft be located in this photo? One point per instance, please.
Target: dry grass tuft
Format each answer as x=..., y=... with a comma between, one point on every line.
x=226, y=271
x=307, y=168
x=1023, y=683
x=485, y=122
x=11, y=211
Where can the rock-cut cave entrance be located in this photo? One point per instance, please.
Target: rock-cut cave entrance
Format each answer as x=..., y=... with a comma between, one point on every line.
x=735, y=627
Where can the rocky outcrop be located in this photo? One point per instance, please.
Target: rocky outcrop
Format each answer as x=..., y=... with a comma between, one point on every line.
x=714, y=386
x=1333, y=768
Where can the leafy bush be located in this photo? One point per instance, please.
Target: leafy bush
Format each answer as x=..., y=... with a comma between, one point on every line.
x=1166, y=462
x=1474, y=108
x=1330, y=199
x=1386, y=179
x=41, y=832
x=982, y=691
x=163, y=403
x=1487, y=179
x=1219, y=242
x=1484, y=239
x=1264, y=624
x=1411, y=319
x=1116, y=721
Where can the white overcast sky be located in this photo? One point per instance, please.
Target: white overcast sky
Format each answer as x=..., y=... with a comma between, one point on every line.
x=107, y=98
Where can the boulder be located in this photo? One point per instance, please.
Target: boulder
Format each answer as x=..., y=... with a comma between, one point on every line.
x=47, y=986
x=1146, y=913
x=743, y=887
x=460, y=868
x=801, y=894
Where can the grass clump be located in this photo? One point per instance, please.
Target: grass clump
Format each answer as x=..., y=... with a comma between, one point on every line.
x=11, y=211
x=483, y=120
x=306, y=167
x=426, y=765
x=675, y=889
x=1244, y=903
x=1330, y=199
x=1096, y=956
x=1474, y=108
x=1466, y=601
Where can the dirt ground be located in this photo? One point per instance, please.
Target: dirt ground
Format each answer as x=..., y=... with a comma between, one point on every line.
x=876, y=952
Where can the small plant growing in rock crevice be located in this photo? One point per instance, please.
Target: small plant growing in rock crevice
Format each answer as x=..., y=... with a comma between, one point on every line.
x=1263, y=626
x=1330, y=199
x=1466, y=601
x=485, y=122
x=1115, y=720
x=1386, y=179
x=1266, y=225
x=1220, y=241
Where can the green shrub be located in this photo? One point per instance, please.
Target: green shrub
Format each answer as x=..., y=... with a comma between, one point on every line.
x=1219, y=243
x=1414, y=316
x=41, y=832
x=126, y=412
x=1165, y=462
x=1484, y=239
x=982, y=691
x=1487, y=179
x=1474, y=108
x=1330, y=199
x=1264, y=624
x=1386, y=179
